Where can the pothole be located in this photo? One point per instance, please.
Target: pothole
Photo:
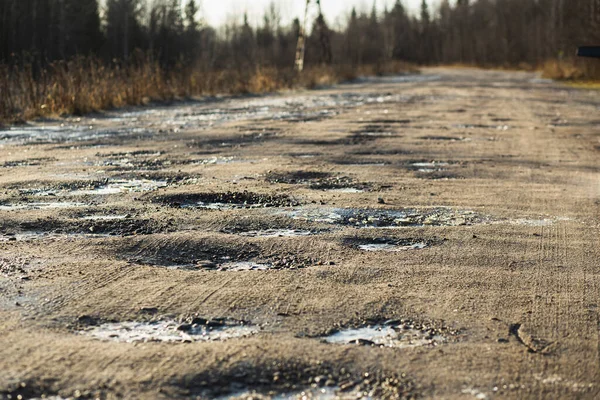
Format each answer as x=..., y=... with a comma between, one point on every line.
x=198, y=329
x=103, y=217
x=444, y=138
x=217, y=161
x=293, y=381
x=92, y=226
x=387, y=244
x=104, y=187
x=123, y=186
x=318, y=181
x=297, y=177
x=227, y=200
x=429, y=166
x=192, y=254
x=396, y=333
x=310, y=393
x=272, y=233
x=39, y=205
x=364, y=218
x=32, y=236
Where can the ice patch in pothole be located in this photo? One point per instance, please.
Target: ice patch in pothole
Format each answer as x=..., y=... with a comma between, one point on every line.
x=123, y=186
x=31, y=236
x=103, y=217
x=366, y=218
x=115, y=186
x=345, y=190
x=272, y=233
x=168, y=331
x=430, y=165
x=226, y=200
x=382, y=335
x=244, y=266
x=217, y=161
x=40, y=206
x=391, y=247
x=326, y=393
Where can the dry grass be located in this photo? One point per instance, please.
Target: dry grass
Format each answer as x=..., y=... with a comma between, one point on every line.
x=84, y=85
x=572, y=70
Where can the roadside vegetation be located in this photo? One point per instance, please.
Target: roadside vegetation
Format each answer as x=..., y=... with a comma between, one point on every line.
x=76, y=56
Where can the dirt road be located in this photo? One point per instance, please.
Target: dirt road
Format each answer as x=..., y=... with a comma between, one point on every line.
x=434, y=236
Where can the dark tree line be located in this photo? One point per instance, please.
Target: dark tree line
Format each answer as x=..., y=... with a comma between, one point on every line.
x=483, y=32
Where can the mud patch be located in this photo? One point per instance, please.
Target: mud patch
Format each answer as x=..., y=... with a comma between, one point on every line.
x=171, y=331
x=365, y=218
x=397, y=334
x=387, y=244
x=227, y=200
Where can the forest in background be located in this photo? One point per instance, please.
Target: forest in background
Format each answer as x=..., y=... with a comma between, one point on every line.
x=71, y=56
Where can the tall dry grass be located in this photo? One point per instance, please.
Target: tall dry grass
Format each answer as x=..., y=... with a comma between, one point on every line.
x=84, y=85
x=572, y=70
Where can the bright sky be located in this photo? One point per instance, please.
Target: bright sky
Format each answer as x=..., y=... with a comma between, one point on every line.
x=217, y=12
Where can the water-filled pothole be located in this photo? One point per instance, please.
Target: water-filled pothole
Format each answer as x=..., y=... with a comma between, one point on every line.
x=227, y=200
x=387, y=244
x=440, y=216
x=198, y=329
x=397, y=334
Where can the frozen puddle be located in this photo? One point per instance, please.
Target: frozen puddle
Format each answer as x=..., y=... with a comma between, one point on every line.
x=244, y=266
x=115, y=186
x=382, y=335
x=123, y=186
x=429, y=166
x=218, y=161
x=39, y=206
x=366, y=218
x=272, y=233
x=327, y=393
x=391, y=247
x=345, y=190
x=31, y=236
x=104, y=217
x=169, y=331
